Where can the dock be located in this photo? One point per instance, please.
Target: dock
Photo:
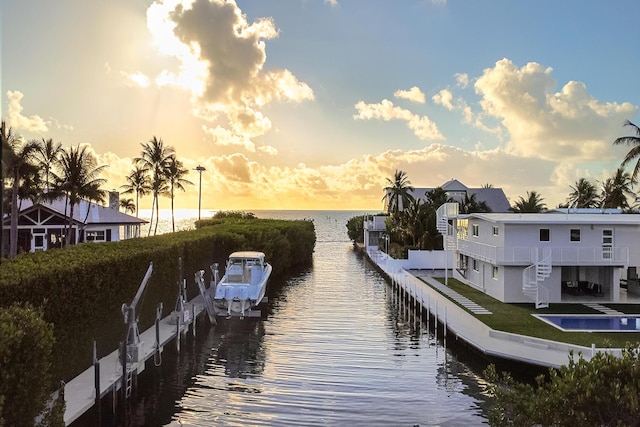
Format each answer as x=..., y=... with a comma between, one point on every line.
x=80, y=393
x=462, y=325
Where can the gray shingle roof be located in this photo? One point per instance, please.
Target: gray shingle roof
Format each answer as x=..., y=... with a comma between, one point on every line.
x=97, y=214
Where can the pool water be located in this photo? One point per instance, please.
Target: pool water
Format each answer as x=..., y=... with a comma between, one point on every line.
x=595, y=323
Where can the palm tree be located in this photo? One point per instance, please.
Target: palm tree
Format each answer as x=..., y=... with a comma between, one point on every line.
x=634, y=152
x=155, y=157
x=47, y=154
x=470, y=204
x=398, y=193
x=137, y=182
x=616, y=189
x=127, y=205
x=175, y=172
x=531, y=204
x=18, y=162
x=79, y=179
x=583, y=195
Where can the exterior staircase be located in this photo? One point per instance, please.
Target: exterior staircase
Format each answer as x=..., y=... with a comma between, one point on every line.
x=443, y=214
x=536, y=273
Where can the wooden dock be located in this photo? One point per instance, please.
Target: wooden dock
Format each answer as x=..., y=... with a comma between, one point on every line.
x=80, y=393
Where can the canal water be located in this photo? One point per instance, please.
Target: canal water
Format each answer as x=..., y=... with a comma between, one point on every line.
x=333, y=349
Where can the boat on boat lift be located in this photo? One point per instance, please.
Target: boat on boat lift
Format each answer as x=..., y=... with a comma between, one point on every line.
x=243, y=286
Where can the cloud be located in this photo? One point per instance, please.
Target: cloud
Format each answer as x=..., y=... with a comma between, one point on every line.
x=16, y=120
x=462, y=79
x=569, y=124
x=422, y=126
x=414, y=94
x=136, y=79
x=444, y=98
x=222, y=62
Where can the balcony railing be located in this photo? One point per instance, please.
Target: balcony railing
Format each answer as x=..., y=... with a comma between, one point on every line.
x=595, y=255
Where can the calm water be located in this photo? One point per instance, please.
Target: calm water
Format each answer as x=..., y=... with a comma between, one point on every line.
x=334, y=350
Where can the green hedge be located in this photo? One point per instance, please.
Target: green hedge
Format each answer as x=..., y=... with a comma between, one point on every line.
x=81, y=289
x=26, y=343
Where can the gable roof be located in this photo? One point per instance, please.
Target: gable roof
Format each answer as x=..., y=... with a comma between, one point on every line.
x=495, y=198
x=98, y=214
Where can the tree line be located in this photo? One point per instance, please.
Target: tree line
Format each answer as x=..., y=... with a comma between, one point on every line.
x=44, y=171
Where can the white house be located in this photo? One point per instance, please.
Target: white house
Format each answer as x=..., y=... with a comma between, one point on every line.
x=546, y=257
x=44, y=225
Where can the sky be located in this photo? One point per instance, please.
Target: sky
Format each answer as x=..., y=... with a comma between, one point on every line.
x=314, y=104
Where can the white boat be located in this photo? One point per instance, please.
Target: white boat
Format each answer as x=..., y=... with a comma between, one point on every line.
x=243, y=285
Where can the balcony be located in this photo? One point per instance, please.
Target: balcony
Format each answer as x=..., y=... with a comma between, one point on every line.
x=559, y=255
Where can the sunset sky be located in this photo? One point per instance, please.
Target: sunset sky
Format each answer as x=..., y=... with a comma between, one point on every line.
x=312, y=104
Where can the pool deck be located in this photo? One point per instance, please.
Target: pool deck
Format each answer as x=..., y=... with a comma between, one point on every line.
x=464, y=326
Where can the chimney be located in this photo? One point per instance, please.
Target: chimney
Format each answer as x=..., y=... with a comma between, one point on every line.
x=114, y=200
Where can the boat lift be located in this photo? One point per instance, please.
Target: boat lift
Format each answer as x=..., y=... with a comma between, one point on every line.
x=133, y=342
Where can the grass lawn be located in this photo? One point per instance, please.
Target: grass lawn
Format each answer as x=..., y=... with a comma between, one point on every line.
x=518, y=319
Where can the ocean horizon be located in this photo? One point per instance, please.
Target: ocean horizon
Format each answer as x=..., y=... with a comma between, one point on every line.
x=185, y=218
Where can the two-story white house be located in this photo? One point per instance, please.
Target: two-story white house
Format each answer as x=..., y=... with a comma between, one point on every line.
x=545, y=257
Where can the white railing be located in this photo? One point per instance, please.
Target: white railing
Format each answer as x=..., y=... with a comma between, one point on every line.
x=559, y=256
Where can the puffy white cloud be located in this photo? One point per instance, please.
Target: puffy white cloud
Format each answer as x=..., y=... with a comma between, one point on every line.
x=222, y=58
x=569, y=124
x=462, y=79
x=414, y=94
x=135, y=79
x=444, y=98
x=16, y=120
x=422, y=126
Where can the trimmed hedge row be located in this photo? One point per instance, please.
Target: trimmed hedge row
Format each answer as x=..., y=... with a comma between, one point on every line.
x=81, y=289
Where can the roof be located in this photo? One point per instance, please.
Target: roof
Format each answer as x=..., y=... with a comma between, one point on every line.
x=97, y=214
x=545, y=218
x=495, y=198
x=247, y=254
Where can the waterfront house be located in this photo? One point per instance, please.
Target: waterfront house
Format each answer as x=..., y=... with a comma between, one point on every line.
x=543, y=257
x=44, y=225
x=494, y=198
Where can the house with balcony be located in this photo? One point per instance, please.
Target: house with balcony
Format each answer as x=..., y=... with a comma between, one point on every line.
x=543, y=257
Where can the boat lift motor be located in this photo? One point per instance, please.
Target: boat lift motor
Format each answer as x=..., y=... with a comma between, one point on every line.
x=129, y=313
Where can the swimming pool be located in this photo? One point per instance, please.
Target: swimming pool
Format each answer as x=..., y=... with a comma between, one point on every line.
x=592, y=323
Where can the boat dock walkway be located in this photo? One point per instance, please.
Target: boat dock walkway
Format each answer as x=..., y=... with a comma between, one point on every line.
x=80, y=393
x=465, y=326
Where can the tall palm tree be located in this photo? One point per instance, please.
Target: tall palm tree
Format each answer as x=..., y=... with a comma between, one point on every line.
x=155, y=157
x=47, y=155
x=583, y=194
x=616, y=189
x=79, y=179
x=137, y=182
x=634, y=152
x=175, y=173
x=18, y=161
x=531, y=204
x=398, y=193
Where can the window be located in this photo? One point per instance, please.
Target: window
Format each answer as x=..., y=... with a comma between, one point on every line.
x=575, y=235
x=475, y=230
x=494, y=272
x=96, y=236
x=607, y=244
x=495, y=230
x=475, y=265
x=545, y=235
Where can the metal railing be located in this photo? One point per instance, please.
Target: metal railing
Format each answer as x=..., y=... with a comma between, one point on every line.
x=559, y=255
